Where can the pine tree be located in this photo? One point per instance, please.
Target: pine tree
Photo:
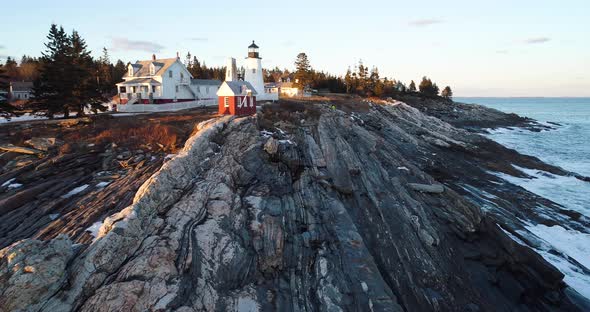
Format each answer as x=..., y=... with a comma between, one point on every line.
x=86, y=87
x=348, y=80
x=54, y=85
x=11, y=68
x=447, y=93
x=412, y=86
x=67, y=80
x=119, y=71
x=428, y=88
x=302, y=71
x=105, y=72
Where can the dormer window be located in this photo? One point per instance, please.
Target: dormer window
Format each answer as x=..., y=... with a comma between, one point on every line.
x=152, y=69
x=130, y=72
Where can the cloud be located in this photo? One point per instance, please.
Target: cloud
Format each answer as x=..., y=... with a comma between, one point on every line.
x=537, y=40
x=124, y=44
x=502, y=51
x=424, y=22
x=200, y=39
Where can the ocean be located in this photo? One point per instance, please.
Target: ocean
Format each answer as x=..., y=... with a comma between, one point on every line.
x=567, y=147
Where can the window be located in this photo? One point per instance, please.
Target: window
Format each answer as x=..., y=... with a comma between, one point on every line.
x=122, y=90
x=254, y=70
x=170, y=73
x=181, y=76
x=176, y=89
x=130, y=73
x=153, y=88
x=152, y=70
x=207, y=89
x=226, y=101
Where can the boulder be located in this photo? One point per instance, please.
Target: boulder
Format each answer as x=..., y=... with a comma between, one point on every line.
x=271, y=146
x=427, y=188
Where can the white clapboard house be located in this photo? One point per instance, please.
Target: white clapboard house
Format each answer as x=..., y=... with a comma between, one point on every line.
x=163, y=85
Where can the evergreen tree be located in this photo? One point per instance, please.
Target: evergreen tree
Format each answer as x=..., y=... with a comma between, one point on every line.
x=119, y=71
x=29, y=67
x=428, y=88
x=105, y=73
x=348, y=80
x=412, y=86
x=86, y=86
x=302, y=71
x=54, y=85
x=447, y=93
x=67, y=80
x=11, y=68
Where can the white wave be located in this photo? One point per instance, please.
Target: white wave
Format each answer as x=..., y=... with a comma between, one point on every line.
x=567, y=191
x=572, y=243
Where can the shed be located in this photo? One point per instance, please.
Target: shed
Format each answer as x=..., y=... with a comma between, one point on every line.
x=236, y=98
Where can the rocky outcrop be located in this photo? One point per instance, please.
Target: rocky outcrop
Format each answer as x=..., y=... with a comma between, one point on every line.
x=332, y=213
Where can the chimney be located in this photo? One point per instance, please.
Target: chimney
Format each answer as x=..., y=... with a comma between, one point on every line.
x=231, y=70
x=153, y=57
x=178, y=55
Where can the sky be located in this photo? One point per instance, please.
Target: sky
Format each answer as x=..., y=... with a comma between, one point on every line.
x=479, y=48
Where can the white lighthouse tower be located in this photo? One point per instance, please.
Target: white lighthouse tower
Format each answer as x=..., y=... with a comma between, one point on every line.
x=253, y=71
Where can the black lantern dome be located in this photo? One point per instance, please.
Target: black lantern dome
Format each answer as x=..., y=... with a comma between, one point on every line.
x=253, y=50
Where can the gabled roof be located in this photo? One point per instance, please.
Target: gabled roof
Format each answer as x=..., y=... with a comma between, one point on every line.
x=232, y=88
x=21, y=86
x=142, y=68
x=205, y=82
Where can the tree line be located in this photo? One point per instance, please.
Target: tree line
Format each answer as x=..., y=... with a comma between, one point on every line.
x=200, y=71
x=363, y=81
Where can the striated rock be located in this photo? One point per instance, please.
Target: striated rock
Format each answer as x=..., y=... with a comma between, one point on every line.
x=20, y=149
x=31, y=271
x=427, y=188
x=333, y=220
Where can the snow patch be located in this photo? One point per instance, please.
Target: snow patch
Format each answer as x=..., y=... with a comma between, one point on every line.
x=286, y=142
x=75, y=191
x=8, y=182
x=25, y=117
x=94, y=228
x=102, y=184
x=266, y=134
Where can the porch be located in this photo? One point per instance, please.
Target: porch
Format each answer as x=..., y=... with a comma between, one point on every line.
x=139, y=91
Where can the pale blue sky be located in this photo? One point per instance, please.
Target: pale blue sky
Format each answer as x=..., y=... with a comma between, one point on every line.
x=497, y=48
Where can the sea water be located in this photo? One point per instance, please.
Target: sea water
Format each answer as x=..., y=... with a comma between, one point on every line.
x=568, y=147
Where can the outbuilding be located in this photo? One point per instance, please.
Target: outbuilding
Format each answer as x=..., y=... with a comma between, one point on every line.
x=236, y=98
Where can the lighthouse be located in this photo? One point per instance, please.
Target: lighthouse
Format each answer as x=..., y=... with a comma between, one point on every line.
x=253, y=71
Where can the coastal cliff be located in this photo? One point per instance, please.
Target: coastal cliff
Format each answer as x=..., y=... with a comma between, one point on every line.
x=334, y=206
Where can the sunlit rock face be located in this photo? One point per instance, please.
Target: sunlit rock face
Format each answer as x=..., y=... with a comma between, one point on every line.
x=328, y=212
